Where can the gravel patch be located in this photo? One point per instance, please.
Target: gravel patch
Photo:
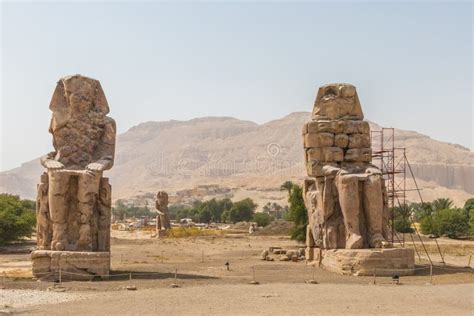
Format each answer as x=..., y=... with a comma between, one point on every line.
x=22, y=298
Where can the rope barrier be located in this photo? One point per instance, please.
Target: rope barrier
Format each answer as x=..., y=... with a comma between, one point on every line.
x=138, y=274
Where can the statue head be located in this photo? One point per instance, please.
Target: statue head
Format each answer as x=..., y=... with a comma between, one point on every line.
x=162, y=199
x=76, y=96
x=337, y=101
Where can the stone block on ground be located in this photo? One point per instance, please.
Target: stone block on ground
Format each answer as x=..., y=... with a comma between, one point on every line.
x=364, y=262
x=74, y=265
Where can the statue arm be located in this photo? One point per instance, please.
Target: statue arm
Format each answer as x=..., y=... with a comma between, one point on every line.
x=50, y=163
x=106, y=160
x=329, y=170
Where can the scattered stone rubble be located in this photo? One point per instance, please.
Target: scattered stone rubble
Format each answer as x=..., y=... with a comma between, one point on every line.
x=277, y=253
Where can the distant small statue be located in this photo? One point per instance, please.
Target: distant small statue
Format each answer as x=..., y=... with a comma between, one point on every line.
x=163, y=218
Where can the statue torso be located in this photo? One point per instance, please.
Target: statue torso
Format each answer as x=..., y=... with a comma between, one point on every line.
x=77, y=141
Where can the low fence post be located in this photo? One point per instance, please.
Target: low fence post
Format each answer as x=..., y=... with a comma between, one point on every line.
x=431, y=273
x=4, y=279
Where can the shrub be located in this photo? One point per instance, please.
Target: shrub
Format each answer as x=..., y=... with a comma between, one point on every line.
x=178, y=232
x=262, y=219
x=451, y=222
x=17, y=218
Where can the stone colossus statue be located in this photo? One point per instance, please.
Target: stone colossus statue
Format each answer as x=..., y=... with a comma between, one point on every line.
x=74, y=200
x=344, y=193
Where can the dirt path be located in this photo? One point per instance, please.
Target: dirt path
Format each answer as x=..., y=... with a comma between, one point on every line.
x=209, y=288
x=275, y=299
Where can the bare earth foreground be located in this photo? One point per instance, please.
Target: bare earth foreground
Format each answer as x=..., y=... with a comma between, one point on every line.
x=207, y=287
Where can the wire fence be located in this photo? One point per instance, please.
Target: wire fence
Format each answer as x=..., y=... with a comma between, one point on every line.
x=418, y=273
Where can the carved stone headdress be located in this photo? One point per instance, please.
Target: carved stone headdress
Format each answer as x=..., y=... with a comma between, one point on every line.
x=84, y=86
x=77, y=86
x=337, y=101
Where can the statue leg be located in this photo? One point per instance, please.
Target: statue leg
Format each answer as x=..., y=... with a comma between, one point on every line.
x=42, y=217
x=348, y=189
x=165, y=221
x=373, y=204
x=58, y=208
x=87, y=192
x=105, y=209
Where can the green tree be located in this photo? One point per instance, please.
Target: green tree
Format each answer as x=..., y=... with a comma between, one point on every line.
x=297, y=213
x=469, y=204
x=287, y=185
x=17, y=218
x=421, y=210
x=451, y=222
x=121, y=210
x=262, y=219
x=469, y=213
x=275, y=210
x=241, y=211
x=441, y=204
x=402, y=220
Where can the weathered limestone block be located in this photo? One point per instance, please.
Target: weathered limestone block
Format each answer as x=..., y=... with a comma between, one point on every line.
x=358, y=155
x=318, y=140
x=322, y=127
x=366, y=262
x=74, y=265
x=326, y=154
x=359, y=141
x=341, y=140
x=353, y=127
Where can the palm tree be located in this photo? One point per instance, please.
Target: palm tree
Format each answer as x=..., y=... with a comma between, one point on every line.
x=442, y=204
x=287, y=185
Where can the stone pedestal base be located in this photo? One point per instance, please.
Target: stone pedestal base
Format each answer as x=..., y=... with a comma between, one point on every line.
x=74, y=265
x=360, y=262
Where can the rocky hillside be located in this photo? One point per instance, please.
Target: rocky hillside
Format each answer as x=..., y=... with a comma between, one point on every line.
x=246, y=157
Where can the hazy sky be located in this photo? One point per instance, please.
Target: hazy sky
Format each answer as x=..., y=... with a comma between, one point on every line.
x=411, y=62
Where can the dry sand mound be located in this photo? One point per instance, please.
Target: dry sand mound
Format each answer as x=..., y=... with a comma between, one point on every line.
x=278, y=227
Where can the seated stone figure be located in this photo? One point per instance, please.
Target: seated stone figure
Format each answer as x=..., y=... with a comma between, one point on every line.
x=344, y=193
x=74, y=200
x=163, y=218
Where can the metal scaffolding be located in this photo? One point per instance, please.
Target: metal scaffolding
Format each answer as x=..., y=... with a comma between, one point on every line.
x=391, y=160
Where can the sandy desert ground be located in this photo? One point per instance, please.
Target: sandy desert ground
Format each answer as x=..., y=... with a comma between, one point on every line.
x=208, y=288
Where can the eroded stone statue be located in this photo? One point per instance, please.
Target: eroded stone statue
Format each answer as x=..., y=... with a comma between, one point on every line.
x=74, y=200
x=345, y=194
x=163, y=218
